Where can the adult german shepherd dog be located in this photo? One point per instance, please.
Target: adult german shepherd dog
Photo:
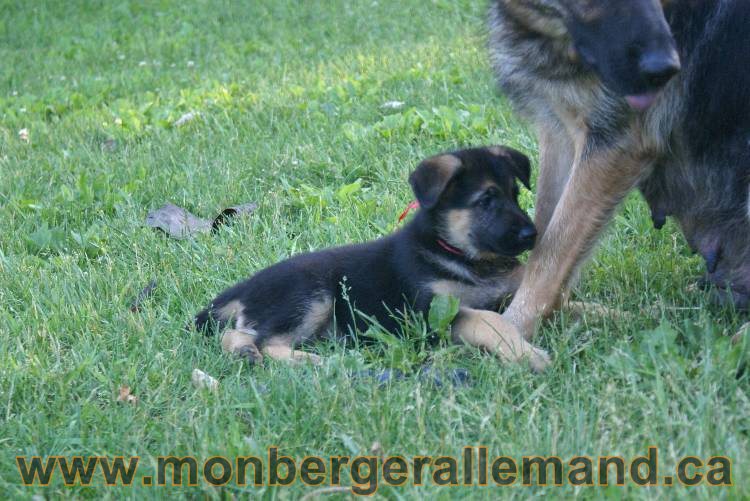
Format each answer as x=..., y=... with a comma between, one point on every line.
x=625, y=94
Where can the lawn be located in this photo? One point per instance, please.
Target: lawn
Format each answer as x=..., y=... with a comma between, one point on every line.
x=317, y=111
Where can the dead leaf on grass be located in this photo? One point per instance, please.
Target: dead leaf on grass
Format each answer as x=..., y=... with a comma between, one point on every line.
x=179, y=223
x=126, y=396
x=231, y=212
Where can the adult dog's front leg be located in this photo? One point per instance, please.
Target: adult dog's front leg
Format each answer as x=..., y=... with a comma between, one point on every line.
x=600, y=178
x=556, y=156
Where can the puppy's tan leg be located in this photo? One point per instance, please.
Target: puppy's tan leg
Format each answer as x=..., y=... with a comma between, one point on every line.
x=488, y=330
x=282, y=350
x=242, y=343
x=601, y=177
x=316, y=320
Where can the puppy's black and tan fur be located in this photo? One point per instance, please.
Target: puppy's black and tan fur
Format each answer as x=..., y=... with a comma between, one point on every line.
x=623, y=94
x=463, y=242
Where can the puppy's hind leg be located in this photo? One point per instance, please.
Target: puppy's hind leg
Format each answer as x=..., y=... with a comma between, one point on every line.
x=239, y=340
x=282, y=349
x=315, y=320
x=490, y=331
x=215, y=318
x=241, y=343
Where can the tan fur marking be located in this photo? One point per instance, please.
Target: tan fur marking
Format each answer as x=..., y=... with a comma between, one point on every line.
x=498, y=151
x=475, y=296
x=445, y=163
x=233, y=310
x=318, y=315
x=488, y=330
x=281, y=349
x=233, y=340
x=457, y=228
x=546, y=21
x=487, y=184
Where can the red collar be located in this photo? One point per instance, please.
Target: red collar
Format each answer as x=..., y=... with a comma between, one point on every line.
x=442, y=243
x=445, y=245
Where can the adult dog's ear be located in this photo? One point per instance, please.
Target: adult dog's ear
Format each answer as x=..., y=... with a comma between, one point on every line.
x=519, y=163
x=432, y=177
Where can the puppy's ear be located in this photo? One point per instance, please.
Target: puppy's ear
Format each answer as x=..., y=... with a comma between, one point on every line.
x=432, y=177
x=519, y=163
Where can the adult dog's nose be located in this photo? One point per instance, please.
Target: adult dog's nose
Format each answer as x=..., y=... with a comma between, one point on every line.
x=658, y=66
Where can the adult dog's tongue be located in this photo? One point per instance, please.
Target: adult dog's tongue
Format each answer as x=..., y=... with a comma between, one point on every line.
x=641, y=102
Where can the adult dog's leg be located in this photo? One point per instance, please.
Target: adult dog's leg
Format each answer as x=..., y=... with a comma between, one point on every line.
x=556, y=155
x=489, y=331
x=600, y=178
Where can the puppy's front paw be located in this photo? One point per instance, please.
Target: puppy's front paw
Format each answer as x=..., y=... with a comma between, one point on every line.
x=539, y=360
x=490, y=331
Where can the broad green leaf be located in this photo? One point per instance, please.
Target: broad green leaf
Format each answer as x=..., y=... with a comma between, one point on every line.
x=443, y=310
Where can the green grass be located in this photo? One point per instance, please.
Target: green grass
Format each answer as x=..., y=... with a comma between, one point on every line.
x=289, y=96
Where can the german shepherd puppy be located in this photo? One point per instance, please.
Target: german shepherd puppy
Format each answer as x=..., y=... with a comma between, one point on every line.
x=463, y=242
x=627, y=93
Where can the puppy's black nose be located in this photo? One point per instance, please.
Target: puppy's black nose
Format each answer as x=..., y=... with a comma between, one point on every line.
x=527, y=234
x=658, y=66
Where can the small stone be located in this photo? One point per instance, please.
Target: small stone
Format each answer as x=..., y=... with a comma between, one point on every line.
x=203, y=381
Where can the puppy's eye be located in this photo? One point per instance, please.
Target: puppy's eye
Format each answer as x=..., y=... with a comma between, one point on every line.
x=487, y=198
